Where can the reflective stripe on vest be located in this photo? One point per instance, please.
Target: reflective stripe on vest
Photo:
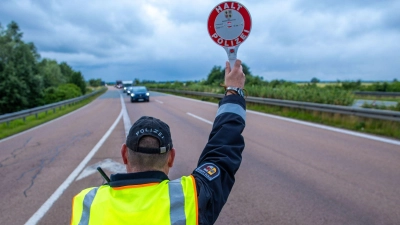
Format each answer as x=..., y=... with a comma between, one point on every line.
x=177, y=202
x=182, y=201
x=87, y=203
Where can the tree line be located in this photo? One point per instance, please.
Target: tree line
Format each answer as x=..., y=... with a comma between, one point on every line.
x=339, y=93
x=216, y=76
x=26, y=80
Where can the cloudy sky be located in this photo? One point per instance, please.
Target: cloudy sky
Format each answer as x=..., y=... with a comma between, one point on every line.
x=168, y=40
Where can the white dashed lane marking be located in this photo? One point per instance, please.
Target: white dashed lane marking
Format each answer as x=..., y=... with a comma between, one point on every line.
x=199, y=118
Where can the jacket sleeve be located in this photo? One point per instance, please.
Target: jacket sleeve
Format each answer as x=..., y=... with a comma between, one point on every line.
x=221, y=158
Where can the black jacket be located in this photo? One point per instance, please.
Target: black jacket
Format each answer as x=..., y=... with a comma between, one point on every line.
x=224, y=150
x=218, y=163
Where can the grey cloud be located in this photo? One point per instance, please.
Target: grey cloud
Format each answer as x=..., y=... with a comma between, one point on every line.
x=294, y=40
x=75, y=26
x=391, y=18
x=340, y=6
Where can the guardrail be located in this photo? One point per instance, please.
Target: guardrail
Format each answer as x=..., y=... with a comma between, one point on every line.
x=368, y=113
x=34, y=111
x=377, y=93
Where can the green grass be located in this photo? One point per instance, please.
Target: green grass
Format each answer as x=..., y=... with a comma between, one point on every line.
x=365, y=125
x=19, y=125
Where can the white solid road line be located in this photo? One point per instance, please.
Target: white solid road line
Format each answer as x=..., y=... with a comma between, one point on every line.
x=199, y=118
x=35, y=218
x=159, y=101
x=47, y=205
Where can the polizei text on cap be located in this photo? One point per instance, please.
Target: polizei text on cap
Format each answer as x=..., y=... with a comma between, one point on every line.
x=150, y=130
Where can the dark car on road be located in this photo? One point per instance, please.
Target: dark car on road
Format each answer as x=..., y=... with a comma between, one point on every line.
x=128, y=90
x=139, y=94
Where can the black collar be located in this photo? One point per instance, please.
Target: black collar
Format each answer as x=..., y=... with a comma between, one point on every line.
x=123, y=179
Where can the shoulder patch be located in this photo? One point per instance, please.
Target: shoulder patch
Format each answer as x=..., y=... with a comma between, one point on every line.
x=209, y=171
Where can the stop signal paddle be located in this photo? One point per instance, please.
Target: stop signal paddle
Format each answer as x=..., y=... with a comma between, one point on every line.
x=229, y=25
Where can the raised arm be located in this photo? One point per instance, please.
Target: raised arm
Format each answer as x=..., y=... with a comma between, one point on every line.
x=222, y=155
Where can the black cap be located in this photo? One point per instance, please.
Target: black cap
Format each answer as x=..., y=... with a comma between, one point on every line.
x=149, y=126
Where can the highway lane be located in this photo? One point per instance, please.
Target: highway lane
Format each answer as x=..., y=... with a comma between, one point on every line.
x=291, y=173
x=304, y=175
x=33, y=164
x=297, y=174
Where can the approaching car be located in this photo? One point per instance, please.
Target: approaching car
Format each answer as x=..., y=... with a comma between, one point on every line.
x=139, y=94
x=128, y=90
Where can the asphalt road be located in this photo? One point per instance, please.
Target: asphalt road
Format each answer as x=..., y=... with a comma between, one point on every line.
x=292, y=172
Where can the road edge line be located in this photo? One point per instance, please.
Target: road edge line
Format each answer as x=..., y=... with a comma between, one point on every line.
x=37, y=216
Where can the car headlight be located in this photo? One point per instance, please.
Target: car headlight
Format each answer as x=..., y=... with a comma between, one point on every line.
x=132, y=95
x=148, y=94
x=124, y=88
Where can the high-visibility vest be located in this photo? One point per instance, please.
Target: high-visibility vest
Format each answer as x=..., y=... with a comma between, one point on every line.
x=164, y=203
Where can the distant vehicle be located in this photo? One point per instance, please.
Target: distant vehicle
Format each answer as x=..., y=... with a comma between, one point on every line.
x=127, y=83
x=139, y=94
x=119, y=84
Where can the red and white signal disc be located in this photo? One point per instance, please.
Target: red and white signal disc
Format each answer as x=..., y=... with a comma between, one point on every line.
x=229, y=24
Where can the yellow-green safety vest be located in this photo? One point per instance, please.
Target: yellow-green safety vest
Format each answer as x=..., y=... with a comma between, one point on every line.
x=165, y=203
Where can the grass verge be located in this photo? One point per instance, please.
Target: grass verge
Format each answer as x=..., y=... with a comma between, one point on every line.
x=365, y=125
x=19, y=125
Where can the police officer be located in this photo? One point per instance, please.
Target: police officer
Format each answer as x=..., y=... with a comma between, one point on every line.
x=145, y=195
